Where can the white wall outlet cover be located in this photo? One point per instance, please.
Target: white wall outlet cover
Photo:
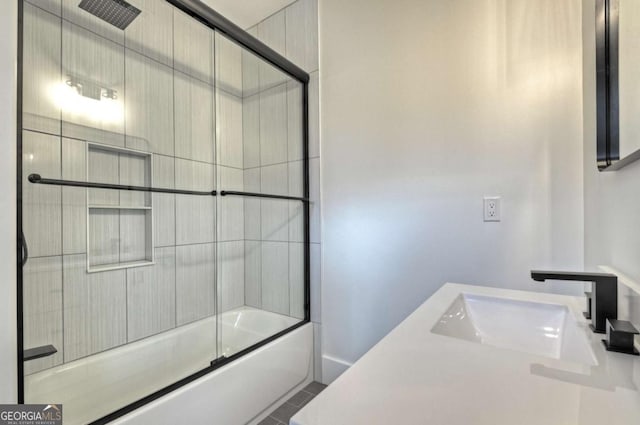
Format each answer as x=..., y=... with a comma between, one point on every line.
x=492, y=208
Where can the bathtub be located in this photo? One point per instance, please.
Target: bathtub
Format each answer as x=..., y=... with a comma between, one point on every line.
x=97, y=385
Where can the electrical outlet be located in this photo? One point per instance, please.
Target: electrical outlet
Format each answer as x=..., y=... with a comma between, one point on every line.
x=491, y=208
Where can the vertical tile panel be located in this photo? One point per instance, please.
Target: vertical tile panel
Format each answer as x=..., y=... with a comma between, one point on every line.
x=164, y=203
x=296, y=208
x=194, y=175
x=274, y=179
x=163, y=171
x=314, y=195
x=250, y=71
x=53, y=6
x=271, y=76
x=273, y=125
x=74, y=199
x=251, y=131
x=195, y=219
x=231, y=275
x=296, y=28
x=103, y=168
x=104, y=236
x=195, y=215
x=314, y=116
x=229, y=129
x=151, y=33
x=231, y=208
x=271, y=32
x=312, y=49
x=195, y=282
x=275, y=277
x=316, y=259
x=72, y=13
x=151, y=293
x=228, y=65
x=274, y=220
x=92, y=60
x=134, y=170
x=149, y=105
x=295, y=138
x=302, y=34
x=253, y=273
x=192, y=47
x=42, y=204
x=42, y=310
x=42, y=83
x=296, y=280
x=275, y=212
x=252, y=221
x=94, y=309
x=133, y=236
x=296, y=178
x=194, y=123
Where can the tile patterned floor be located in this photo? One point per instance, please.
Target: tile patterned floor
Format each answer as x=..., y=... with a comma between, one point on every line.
x=282, y=414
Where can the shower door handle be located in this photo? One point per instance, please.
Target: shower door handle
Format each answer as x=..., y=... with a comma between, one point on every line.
x=24, y=250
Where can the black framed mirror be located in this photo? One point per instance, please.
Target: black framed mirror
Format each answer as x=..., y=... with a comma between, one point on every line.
x=618, y=85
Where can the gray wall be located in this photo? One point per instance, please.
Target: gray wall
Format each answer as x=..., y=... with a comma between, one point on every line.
x=612, y=204
x=427, y=106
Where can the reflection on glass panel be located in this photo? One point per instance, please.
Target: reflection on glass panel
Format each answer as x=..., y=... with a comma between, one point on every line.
x=261, y=240
x=261, y=289
x=120, y=286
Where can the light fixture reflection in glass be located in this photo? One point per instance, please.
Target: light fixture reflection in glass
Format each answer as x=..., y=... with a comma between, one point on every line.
x=106, y=109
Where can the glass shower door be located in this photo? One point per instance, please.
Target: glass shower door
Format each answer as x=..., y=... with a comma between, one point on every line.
x=163, y=203
x=261, y=242
x=118, y=169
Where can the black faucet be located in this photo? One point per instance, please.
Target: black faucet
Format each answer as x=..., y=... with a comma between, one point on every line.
x=604, y=299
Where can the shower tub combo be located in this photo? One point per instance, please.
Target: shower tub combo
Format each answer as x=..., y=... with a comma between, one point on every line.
x=133, y=371
x=163, y=215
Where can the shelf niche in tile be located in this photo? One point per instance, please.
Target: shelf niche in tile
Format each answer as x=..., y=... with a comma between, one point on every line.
x=119, y=222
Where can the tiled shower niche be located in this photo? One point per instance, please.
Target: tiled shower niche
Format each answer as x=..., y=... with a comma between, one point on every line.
x=119, y=223
x=169, y=104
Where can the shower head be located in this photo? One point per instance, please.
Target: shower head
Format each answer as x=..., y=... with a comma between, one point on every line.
x=118, y=13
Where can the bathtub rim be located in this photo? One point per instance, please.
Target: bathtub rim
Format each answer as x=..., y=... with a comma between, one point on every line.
x=215, y=365
x=107, y=355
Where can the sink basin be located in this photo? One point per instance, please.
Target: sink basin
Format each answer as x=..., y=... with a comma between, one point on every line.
x=548, y=330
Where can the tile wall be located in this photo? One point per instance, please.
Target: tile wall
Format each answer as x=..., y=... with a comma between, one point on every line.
x=212, y=117
x=292, y=32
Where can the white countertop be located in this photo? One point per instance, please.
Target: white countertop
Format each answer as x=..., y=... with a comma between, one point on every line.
x=414, y=376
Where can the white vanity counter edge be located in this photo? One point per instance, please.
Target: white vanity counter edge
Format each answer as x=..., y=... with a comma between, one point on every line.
x=414, y=376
